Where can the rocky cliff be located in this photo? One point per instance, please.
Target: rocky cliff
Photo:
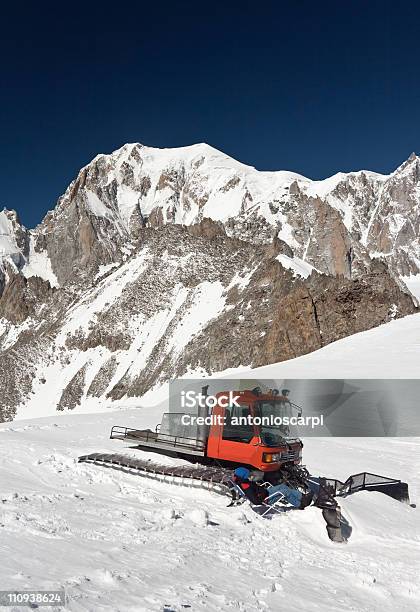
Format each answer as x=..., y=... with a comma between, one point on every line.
x=156, y=263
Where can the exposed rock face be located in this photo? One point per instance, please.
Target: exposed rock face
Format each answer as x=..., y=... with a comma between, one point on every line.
x=155, y=263
x=185, y=299
x=100, y=383
x=331, y=246
x=17, y=367
x=73, y=393
x=21, y=296
x=395, y=228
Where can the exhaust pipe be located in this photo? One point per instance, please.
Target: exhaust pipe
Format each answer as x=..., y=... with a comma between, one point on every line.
x=203, y=430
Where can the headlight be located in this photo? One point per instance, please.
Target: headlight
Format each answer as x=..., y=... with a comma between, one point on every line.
x=271, y=457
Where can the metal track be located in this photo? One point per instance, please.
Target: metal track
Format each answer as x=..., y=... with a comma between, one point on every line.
x=217, y=479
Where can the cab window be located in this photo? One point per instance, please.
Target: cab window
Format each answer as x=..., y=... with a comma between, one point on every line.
x=242, y=432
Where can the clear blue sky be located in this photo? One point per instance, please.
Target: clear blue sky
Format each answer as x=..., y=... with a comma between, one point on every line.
x=309, y=86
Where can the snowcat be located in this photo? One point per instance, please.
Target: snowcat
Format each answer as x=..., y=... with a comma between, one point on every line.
x=214, y=447
x=212, y=439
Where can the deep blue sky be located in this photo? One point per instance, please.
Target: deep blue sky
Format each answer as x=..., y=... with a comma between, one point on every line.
x=310, y=86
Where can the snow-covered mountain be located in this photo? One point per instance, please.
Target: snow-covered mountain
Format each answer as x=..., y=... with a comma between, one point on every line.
x=156, y=263
x=335, y=224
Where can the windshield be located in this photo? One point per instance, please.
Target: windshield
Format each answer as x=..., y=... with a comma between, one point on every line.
x=274, y=434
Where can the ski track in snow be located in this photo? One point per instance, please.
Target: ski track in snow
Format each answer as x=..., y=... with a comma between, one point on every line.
x=119, y=542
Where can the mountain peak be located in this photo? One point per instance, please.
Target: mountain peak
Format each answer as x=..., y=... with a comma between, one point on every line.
x=407, y=165
x=11, y=214
x=11, y=234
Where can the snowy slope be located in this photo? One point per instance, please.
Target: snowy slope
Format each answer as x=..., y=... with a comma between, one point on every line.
x=10, y=250
x=298, y=266
x=168, y=322
x=388, y=351
x=204, y=161
x=8, y=244
x=17, y=249
x=120, y=543
x=38, y=263
x=413, y=284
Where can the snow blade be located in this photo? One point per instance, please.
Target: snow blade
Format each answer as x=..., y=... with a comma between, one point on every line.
x=338, y=528
x=396, y=490
x=365, y=481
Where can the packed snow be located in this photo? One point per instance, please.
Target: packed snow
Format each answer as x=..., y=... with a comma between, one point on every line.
x=413, y=284
x=297, y=265
x=207, y=302
x=39, y=264
x=8, y=244
x=118, y=542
